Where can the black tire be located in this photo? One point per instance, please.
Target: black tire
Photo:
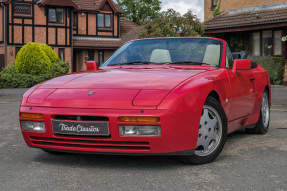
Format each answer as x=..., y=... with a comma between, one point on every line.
x=200, y=157
x=262, y=125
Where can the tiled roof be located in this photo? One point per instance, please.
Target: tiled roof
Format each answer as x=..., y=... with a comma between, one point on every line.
x=128, y=31
x=94, y=5
x=250, y=18
x=86, y=5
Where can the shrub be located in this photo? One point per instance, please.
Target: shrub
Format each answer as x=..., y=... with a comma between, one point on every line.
x=32, y=59
x=49, y=52
x=10, y=78
x=275, y=67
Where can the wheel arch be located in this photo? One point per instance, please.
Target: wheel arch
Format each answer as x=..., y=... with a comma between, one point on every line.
x=215, y=95
x=268, y=89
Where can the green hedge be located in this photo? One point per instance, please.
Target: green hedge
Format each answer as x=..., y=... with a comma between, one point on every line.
x=275, y=67
x=10, y=78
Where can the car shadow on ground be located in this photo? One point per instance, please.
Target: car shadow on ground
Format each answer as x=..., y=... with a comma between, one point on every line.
x=124, y=161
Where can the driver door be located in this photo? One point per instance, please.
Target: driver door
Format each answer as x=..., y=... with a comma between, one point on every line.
x=242, y=88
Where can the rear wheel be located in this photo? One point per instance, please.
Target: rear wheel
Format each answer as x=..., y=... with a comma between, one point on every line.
x=211, y=135
x=264, y=117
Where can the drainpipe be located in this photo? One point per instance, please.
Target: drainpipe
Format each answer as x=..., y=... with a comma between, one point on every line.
x=4, y=34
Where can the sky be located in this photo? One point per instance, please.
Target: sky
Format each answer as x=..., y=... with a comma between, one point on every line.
x=182, y=6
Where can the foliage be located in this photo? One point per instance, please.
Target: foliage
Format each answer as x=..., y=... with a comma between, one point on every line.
x=10, y=78
x=236, y=43
x=217, y=11
x=171, y=24
x=275, y=67
x=35, y=59
x=139, y=9
x=49, y=52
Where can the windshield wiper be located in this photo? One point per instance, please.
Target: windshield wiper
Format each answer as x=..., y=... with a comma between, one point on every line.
x=188, y=63
x=131, y=63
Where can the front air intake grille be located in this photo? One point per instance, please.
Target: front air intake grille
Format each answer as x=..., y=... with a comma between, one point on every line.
x=90, y=144
x=81, y=118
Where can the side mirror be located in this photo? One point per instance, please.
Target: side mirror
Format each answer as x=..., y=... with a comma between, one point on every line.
x=92, y=65
x=241, y=64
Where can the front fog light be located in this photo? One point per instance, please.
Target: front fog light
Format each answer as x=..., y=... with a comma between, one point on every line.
x=33, y=126
x=138, y=130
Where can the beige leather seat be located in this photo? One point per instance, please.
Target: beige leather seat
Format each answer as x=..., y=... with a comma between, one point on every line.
x=160, y=56
x=212, y=55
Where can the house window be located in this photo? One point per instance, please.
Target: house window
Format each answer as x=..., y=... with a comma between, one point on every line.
x=61, y=53
x=101, y=57
x=104, y=20
x=17, y=49
x=56, y=15
x=277, y=42
x=91, y=55
x=22, y=9
x=214, y=3
x=267, y=43
x=256, y=43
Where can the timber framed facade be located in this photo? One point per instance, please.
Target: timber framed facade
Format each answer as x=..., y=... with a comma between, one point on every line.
x=63, y=25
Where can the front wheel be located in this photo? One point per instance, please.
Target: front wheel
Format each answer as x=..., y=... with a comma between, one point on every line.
x=211, y=135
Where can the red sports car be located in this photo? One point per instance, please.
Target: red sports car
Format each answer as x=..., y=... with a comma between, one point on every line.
x=167, y=96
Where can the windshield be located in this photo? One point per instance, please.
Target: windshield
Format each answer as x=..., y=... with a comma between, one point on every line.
x=191, y=51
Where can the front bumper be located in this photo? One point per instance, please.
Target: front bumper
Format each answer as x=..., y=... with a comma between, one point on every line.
x=178, y=133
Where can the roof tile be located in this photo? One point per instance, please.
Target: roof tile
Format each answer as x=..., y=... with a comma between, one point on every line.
x=247, y=18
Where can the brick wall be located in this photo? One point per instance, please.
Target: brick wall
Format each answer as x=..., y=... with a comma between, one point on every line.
x=1, y=50
x=92, y=24
x=236, y=4
x=10, y=58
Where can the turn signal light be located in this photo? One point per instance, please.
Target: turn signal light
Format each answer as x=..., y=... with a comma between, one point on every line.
x=139, y=119
x=32, y=115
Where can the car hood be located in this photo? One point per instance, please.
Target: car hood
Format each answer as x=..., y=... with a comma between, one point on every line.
x=156, y=79
x=108, y=89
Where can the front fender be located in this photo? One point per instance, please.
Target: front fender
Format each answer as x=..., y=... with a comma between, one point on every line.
x=193, y=93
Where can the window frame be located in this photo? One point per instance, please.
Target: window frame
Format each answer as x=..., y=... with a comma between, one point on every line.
x=16, y=51
x=22, y=13
x=212, y=3
x=61, y=49
x=273, y=40
x=104, y=21
x=56, y=15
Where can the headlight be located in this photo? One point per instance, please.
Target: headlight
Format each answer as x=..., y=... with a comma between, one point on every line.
x=140, y=130
x=33, y=126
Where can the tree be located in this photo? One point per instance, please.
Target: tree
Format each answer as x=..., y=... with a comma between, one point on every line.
x=171, y=24
x=138, y=10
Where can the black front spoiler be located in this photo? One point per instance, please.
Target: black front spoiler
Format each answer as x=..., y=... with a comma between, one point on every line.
x=179, y=153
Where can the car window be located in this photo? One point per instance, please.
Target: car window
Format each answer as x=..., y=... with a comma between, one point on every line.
x=198, y=51
x=229, y=58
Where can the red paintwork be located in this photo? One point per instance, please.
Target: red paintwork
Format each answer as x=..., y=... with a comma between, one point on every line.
x=241, y=64
x=91, y=65
x=174, y=93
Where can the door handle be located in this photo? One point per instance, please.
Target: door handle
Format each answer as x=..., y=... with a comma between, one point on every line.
x=252, y=79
